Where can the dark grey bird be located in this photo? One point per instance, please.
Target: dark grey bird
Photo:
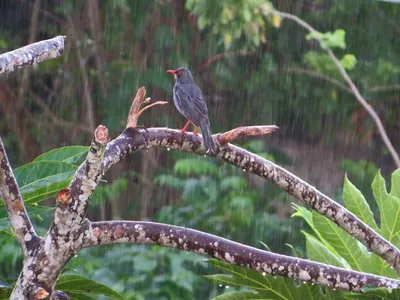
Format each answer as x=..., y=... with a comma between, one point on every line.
x=189, y=101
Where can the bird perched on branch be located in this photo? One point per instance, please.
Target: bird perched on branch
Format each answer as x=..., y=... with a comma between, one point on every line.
x=189, y=101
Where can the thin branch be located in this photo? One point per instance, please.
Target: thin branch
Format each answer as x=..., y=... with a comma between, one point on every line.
x=148, y=233
x=134, y=139
x=32, y=37
x=135, y=111
x=20, y=222
x=86, y=88
x=32, y=54
x=353, y=88
x=234, y=134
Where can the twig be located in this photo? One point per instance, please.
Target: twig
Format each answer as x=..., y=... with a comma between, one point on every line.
x=352, y=86
x=135, y=111
x=32, y=54
x=243, y=131
x=149, y=233
x=20, y=222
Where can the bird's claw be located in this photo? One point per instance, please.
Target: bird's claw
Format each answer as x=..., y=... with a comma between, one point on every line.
x=183, y=131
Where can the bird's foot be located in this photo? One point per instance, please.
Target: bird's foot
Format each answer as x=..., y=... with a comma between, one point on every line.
x=195, y=131
x=183, y=131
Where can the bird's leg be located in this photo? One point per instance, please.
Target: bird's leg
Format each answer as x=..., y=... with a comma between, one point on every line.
x=183, y=130
x=195, y=131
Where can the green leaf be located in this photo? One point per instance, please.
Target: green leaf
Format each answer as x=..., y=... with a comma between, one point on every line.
x=395, y=189
x=329, y=39
x=268, y=286
x=196, y=167
x=81, y=285
x=343, y=243
x=242, y=295
x=32, y=172
x=348, y=61
x=42, y=179
x=33, y=210
x=356, y=203
x=69, y=154
x=389, y=207
x=79, y=296
x=317, y=251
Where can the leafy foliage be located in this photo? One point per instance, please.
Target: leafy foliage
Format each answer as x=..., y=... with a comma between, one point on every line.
x=330, y=245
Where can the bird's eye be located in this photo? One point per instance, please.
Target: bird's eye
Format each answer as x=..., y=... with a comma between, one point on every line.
x=179, y=73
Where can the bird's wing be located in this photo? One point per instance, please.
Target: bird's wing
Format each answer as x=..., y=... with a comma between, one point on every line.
x=191, y=101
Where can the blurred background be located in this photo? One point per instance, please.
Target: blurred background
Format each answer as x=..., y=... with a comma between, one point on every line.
x=253, y=69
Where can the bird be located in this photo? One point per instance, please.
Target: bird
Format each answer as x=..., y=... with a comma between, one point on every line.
x=189, y=101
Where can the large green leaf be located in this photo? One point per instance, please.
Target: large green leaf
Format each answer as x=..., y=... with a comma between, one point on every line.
x=356, y=203
x=76, y=284
x=42, y=179
x=242, y=295
x=389, y=207
x=33, y=211
x=69, y=154
x=343, y=243
x=35, y=171
x=267, y=286
x=317, y=251
x=395, y=188
x=46, y=187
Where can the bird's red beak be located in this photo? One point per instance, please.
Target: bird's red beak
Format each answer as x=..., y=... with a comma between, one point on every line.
x=171, y=72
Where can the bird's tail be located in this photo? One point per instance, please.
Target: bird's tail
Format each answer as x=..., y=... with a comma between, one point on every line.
x=207, y=138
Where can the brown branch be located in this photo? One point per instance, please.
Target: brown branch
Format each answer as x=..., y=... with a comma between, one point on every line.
x=32, y=54
x=135, y=111
x=82, y=68
x=20, y=222
x=352, y=86
x=244, y=131
x=148, y=233
x=32, y=37
x=134, y=139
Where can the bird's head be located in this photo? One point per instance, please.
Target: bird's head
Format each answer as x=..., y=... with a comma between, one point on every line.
x=182, y=75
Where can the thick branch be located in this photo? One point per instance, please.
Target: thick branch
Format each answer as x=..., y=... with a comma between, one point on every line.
x=352, y=87
x=122, y=232
x=32, y=54
x=72, y=203
x=20, y=222
x=134, y=139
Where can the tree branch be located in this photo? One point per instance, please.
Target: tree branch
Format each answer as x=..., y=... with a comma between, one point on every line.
x=135, y=111
x=20, y=222
x=32, y=54
x=134, y=139
x=148, y=233
x=352, y=86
